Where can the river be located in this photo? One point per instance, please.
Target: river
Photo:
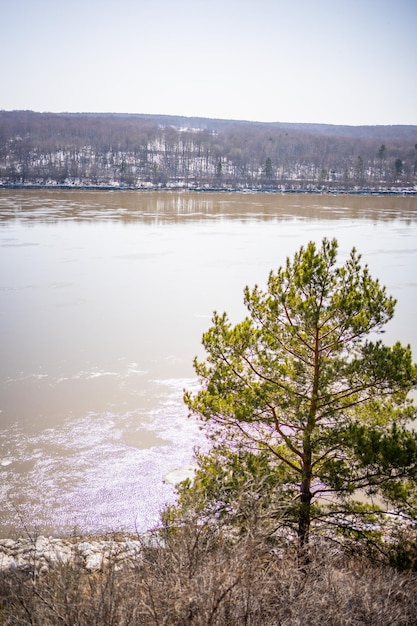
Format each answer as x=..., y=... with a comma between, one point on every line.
x=104, y=297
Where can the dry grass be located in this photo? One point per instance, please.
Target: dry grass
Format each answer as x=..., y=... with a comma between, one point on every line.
x=197, y=577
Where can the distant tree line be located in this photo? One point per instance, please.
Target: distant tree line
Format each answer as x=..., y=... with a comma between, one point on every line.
x=168, y=151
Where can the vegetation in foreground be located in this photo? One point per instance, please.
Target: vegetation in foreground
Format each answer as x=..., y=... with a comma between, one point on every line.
x=199, y=576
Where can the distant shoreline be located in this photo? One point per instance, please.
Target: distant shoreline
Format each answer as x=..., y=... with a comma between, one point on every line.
x=405, y=191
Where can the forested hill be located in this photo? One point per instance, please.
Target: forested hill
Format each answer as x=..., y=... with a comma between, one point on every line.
x=154, y=151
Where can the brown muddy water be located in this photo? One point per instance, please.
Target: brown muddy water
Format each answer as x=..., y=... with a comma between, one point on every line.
x=104, y=297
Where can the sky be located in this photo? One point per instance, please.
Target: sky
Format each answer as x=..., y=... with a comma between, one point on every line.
x=348, y=62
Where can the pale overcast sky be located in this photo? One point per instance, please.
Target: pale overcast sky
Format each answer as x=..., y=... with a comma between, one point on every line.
x=326, y=61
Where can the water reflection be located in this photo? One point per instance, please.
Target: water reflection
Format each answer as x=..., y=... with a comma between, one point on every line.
x=163, y=207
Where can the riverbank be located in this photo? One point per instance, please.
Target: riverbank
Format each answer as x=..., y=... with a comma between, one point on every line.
x=39, y=553
x=279, y=189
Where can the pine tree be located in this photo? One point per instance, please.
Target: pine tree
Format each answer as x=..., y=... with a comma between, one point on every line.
x=305, y=384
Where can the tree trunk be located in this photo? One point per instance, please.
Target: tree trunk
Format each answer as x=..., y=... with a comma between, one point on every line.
x=304, y=512
x=305, y=486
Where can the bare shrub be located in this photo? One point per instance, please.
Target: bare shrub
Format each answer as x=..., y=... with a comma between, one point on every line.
x=195, y=575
